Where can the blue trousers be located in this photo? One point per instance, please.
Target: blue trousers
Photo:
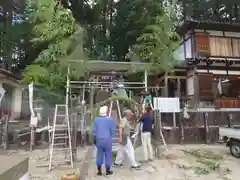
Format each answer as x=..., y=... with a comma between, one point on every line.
x=104, y=150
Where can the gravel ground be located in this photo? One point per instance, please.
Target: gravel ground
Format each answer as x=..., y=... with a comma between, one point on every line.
x=178, y=163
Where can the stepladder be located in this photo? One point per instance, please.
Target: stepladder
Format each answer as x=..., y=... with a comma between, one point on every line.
x=117, y=115
x=61, y=143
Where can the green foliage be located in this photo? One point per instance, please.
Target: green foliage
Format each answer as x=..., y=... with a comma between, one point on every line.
x=56, y=25
x=128, y=102
x=13, y=36
x=35, y=73
x=212, y=10
x=112, y=31
x=208, y=162
x=131, y=19
x=157, y=43
x=61, y=38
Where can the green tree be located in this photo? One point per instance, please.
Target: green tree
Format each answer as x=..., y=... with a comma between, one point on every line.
x=112, y=32
x=219, y=11
x=157, y=43
x=59, y=31
x=60, y=39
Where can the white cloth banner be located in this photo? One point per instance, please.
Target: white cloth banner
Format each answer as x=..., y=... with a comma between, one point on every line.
x=33, y=120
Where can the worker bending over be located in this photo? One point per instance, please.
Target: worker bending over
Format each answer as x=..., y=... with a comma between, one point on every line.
x=103, y=130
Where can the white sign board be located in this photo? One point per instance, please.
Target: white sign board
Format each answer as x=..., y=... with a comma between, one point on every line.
x=166, y=105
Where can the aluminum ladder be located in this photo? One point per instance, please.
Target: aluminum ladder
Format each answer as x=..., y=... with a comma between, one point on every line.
x=61, y=143
x=115, y=115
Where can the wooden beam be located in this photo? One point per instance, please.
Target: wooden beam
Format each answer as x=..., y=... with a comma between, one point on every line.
x=196, y=89
x=176, y=77
x=179, y=87
x=110, y=65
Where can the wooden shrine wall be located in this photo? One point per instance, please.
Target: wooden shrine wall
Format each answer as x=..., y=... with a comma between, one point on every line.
x=205, y=86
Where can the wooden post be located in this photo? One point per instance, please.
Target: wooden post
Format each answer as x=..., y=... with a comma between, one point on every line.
x=91, y=98
x=196, y=97
x=74, y=135
x=196, y=89
x=230, y=118
x=174, y=120
x=5, y=134
x=146, y=80
x=166, y=85
x=179, y=87
x=206, y=127
x=182, y=129
x=32, y=139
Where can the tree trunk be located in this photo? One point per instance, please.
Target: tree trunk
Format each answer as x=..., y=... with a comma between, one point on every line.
x=8, y=25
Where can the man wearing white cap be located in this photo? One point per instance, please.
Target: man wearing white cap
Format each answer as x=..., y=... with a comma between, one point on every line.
x=103, y=130
x=127, y=146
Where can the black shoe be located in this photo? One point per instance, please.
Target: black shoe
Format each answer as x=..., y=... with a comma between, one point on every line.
x=99, y=173
x=136, y=167
x=117, y=165
x=109, y=172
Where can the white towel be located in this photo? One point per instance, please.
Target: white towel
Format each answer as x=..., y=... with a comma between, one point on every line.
x=219, y=86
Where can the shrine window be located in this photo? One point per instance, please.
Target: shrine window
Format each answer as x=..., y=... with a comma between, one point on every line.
x=217, y=46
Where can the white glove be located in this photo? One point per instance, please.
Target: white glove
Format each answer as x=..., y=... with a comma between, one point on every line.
x=134, y=136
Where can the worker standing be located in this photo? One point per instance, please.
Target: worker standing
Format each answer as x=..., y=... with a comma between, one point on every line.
x=146, y=130
x=126, y=143
x=103, y=130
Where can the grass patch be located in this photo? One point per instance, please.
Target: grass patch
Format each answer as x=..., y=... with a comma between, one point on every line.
x=208, y=161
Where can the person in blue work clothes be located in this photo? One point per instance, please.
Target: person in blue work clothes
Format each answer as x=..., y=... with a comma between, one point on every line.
x=103, y=130
x=146, y=130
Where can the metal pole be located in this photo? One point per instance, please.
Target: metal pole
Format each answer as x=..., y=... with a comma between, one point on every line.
x=110, y=109
x=91, y=99
x=146, y=80
x=130, y=94
x=83, y=93
x=67, y=88
x=67, y=117
x=109, y=86
x=96, y=82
